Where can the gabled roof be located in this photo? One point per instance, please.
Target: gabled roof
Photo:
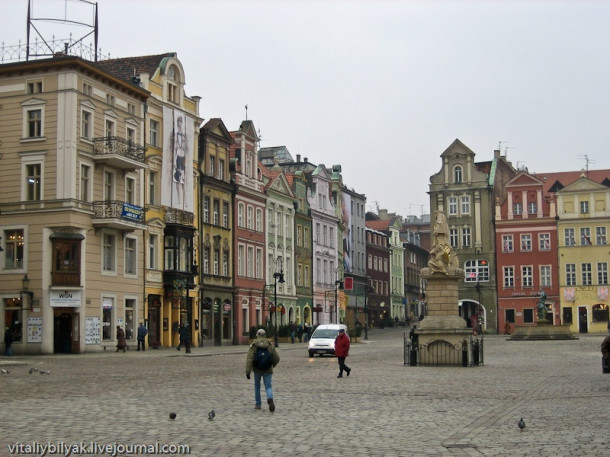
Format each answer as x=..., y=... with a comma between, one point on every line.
x=378, y=225
x=128, y=67
x=523, y=178
x=457, y=144
x=554, y=182
x=217, y=127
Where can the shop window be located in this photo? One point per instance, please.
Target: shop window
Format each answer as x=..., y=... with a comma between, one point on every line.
x=528, y=316
x=600, y=313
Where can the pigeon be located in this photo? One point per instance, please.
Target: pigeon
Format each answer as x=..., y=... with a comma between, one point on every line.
x=32, y=370
x=172, y=416
x=521, y=424
x=45, y=372
x=211, y=415
x=3, y=371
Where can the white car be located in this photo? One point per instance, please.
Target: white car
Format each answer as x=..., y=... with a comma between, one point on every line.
x=323, y=339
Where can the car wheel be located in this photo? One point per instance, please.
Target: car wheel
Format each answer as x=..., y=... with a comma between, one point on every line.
x=311, y=354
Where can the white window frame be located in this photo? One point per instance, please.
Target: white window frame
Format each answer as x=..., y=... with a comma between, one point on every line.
x=527, y=276
x=113, y=252
x=508, y=275
x=86, y=125
x=544, y=241
x=453, y=206
x=569, y=236
x=507, y=243
x=154, y=133
x=465, y=204
x=526, y=242
x=28, y=106
x=19, y=268
x=600, y=235
x=86, y=185
x=153, y=251
x=545, y=274
x=126, y=244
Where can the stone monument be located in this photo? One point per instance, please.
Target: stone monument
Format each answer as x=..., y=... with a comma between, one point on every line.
x=443, y=335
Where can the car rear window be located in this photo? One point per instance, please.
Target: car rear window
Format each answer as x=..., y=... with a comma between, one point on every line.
x=325, y=333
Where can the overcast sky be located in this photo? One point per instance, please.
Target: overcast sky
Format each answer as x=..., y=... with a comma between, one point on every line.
x=380, y=87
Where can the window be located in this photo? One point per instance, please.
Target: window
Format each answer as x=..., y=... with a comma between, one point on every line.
x=109, y=129
x=476, y=270
x=172, y=93
x=249, y=217
x=108, y=186
x=306, y=276
x=299, y=274
x=526, y=242
x=299, y=235
x=585, y=269
x=130, y=256
x=240, y=214
x=544, y=241
x=457, y=174
x=600, y=236
x=34, y=123
x=206, y=210
x=385, y=265
x=110, y=99
x=324, y=235
x=585, y=236
x=129, y=324
x=131, y=108
x=600, y=313
x=527, y=276
x=517, y=209
x=250, y=262
x=108, y=252
x=206, y=260
x=528, y=316
x=306, y=237
x=225, y=214
x=33, y=181
x=509, y=276
x=570, y=274
x=602, y=273
x=86, y=127
x=507, y=243
x=568, y=235
x=259, y=220
x=584, y=207
x=131, y=136
x=452, y=206
x=85, y=182
x=211, y=166
x=130, y=190
x=465, y=205
x=13, y=248
x=152, y=251
x=221, y=169
x=153, y=177
x=66, y=262
x=225, y=263
x=453, y=237
x=532, y=208
x=370, y=262
x=154, y=133
x=216, y=210
x=216, y=261
x=241, y=259
x=509, y=316
x=465, y=237
x=34, y=87
x=545, y=276
x=87, y=89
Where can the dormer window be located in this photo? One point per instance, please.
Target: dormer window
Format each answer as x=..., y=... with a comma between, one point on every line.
x=457, y=174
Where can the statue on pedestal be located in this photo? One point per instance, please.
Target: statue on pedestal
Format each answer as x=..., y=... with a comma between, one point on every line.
x=541, y=308
x=442, y=257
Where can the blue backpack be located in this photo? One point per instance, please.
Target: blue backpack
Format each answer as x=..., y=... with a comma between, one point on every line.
x=262, y=359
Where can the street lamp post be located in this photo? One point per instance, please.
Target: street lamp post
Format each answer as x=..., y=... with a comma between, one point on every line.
x=277, y=277
x=338, y=285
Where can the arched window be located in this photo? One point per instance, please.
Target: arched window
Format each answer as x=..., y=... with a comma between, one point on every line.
x=457, y=174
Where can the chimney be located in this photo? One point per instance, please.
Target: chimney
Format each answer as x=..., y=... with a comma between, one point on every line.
x=298, y=157
x=496, y=153
x=305, y=159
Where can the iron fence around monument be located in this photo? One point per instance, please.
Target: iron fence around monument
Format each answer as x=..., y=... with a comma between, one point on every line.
x=441, y=353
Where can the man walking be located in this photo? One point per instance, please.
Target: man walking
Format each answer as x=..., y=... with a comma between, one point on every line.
x=142, y=332
x=341, y=351
x=262, y=358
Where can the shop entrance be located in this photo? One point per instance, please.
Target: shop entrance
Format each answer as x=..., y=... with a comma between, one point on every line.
x=62, y=333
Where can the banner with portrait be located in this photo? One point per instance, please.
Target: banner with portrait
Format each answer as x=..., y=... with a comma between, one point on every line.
x=178, y=148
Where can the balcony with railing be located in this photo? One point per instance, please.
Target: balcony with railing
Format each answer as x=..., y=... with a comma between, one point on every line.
x=177, y=216
x=118, y=153
x=118, y=215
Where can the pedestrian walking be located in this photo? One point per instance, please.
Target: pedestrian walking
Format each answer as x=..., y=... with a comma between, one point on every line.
x=142, y=332
x=262, y=358
x=306, y=331
x=341, y=351
x=120, y=339
x=606, y=354
x=293, y=331
x=300, y=332
x=8, y=341
x=183, y=335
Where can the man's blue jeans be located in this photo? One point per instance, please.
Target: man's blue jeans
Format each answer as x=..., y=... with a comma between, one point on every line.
x=257, y=386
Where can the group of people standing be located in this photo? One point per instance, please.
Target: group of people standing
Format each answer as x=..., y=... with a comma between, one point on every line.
x=121, y=342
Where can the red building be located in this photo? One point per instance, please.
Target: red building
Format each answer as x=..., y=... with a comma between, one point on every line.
x=526, y=252
x=248, y=229
x=378, y=273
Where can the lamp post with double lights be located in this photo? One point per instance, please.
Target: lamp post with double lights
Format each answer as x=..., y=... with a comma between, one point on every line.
x=26, y=295
x=338, y=285
x=277, y=277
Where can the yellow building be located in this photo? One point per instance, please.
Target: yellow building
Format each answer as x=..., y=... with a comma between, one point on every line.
x=171, y=256
x=583, y=223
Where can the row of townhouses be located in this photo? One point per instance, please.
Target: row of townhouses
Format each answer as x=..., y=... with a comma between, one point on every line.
x=523, y=236
x=119, y=204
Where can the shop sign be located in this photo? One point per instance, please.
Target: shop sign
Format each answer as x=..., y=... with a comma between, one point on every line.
x=65, y=298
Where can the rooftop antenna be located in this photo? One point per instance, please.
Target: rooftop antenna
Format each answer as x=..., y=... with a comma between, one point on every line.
x=587, y=162
x=246, y=112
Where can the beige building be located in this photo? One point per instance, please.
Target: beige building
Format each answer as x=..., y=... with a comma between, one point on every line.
x=72, y=169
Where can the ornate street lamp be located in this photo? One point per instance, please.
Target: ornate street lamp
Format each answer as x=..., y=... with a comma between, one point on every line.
x=26, y=295
x=277, y=277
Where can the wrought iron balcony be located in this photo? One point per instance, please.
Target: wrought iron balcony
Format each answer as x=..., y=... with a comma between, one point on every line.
x=118, y=152
x=118, y=215
x=177, y=216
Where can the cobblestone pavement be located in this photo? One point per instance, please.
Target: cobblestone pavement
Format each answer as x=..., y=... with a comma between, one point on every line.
x=383, y=409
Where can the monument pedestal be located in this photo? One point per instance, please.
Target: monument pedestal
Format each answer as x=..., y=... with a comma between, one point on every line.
x=444, y=338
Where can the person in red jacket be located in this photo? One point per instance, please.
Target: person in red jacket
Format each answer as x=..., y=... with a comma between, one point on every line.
x=341, y=351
